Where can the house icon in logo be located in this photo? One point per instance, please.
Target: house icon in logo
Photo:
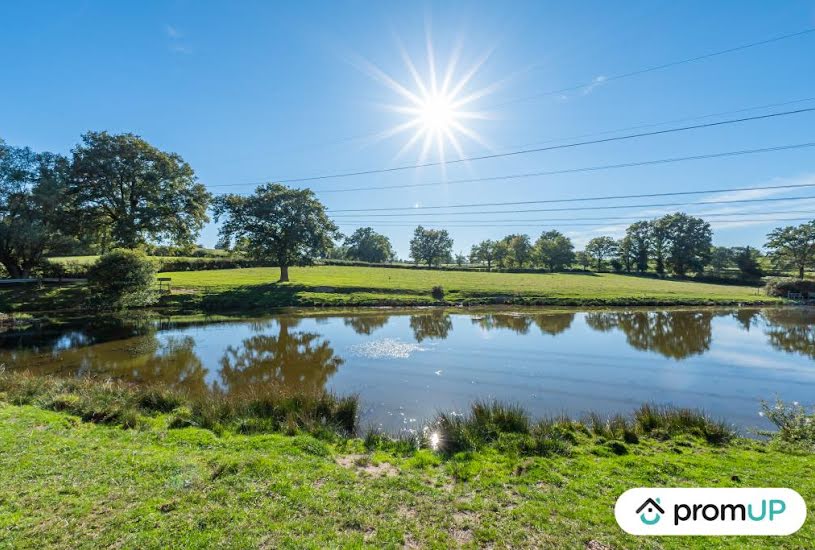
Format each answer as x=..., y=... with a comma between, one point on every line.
x=650, y=506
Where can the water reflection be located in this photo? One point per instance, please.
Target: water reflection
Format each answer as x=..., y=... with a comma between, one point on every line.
x=366, y=324
x=297, y=360
x=558, y=359
x=792, y=330
x=548, y=323
x=433, y=326
x=675, y=334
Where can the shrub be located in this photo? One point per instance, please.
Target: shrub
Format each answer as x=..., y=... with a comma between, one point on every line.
x=122, y=279
x=794, y=424
x=781, y=286
x=437, y=293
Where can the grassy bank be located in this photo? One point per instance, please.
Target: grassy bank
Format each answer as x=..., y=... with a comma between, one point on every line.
x=256, y=289
x=164, y=483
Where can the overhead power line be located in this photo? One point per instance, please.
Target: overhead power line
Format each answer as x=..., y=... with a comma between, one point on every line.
x=607, y=79
x=549, y=224
x=620, y=218
x=581, y=199
x=575, y=170
x=657, y=67
x=573, y=209
x=541, y=149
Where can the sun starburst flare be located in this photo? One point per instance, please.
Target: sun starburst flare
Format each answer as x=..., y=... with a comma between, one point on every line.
x=439, y=107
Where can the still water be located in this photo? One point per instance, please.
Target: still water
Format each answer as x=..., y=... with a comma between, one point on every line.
x=406, y=365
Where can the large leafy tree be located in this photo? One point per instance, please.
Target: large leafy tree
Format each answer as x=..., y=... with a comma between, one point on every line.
x=367, y=245
x=601, y=248
x=793, y=246
x=136, y=193
x=689, y=242
x=483, y=252
x=278, y=224
x=639, y=235
x=34, y=210
x=554, y=250
x=520, y=249
x=432, y=246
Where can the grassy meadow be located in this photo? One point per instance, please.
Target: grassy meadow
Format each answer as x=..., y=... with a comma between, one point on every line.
x=256, y=289
x=342, y=285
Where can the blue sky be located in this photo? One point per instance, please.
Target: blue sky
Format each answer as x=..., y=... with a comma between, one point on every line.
x=257, y=91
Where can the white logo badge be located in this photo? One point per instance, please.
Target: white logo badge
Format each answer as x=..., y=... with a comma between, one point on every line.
x=710, y=511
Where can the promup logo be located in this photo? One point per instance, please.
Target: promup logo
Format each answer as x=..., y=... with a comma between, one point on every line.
x=652, y=507
x=710, y=511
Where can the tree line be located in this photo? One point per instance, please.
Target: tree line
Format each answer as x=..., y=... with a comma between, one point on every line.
x=117, y=190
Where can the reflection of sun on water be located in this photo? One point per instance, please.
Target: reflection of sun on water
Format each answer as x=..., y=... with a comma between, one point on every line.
x=385, y=348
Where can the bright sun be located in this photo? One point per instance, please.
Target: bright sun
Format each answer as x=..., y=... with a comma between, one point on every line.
x=438, y=106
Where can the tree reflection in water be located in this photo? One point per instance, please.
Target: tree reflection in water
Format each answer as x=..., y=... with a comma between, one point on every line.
x=296, y=360
x=365, y=324
x=548, y=323
x=515, y=322
x=433, y=326
x=791, y=330
x=675, y=334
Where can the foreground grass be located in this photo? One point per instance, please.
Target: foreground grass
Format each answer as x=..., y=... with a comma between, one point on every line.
x=341, y=285
x=67, y=483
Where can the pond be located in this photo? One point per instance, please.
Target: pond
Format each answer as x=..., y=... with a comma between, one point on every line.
x=407, y=365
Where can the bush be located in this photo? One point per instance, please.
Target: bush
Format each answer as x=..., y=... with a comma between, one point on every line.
x=794, y=424
x=781, y=286
x=122, y=279
x=437, y=292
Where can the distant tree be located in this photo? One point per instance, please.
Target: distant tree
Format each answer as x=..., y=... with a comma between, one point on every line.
x=432, y=246
x=34, y=210
x=583, y=259
x=366, y=245
x=135, y=192
x=276, y=223
x=747, y=260
x=625, y=254
x=658, y=241
x=601, y=248
x=639, y=237
x=503, y=254
x=554, y=250
x=793, y=246
x=520, y=249
x=460, y=259
x=483, y=252
x=689, y=242
x=721, y=258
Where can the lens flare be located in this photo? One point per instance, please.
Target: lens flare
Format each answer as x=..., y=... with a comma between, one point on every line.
x=438, y=106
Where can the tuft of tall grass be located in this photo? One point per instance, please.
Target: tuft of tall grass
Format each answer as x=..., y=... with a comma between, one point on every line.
x=660, y=421
x=264, y=408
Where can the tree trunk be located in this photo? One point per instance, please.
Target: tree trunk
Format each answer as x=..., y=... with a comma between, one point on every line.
x=801, y=272
x=284, y=274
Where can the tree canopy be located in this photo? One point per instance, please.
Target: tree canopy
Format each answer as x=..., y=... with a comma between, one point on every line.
x=366, y=245
x=276, y=223
x=134, y=193
x=554, y=250
x=689, y=242
x=34, y=210
x=601, y=248
x=793, y=246
x=431, y=246
x=483, y=252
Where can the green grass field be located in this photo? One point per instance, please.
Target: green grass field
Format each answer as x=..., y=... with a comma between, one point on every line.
x=373, y=286
x=256, y=289
x=71, y=484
